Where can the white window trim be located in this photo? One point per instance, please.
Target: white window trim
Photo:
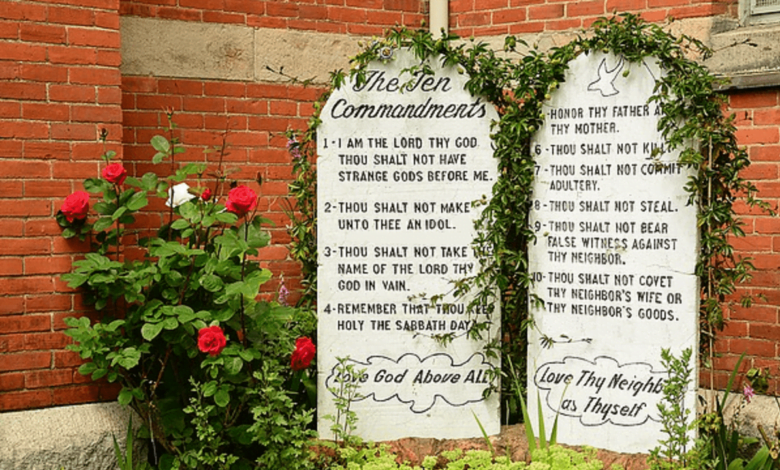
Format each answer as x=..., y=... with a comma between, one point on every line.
x=750, y=15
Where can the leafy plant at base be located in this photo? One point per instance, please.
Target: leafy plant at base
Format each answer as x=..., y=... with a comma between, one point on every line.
x=674, y=413
x=155, y=299
x=345, y=392
x=518, y=84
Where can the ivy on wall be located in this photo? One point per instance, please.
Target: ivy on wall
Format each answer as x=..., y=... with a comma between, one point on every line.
x=518, y=84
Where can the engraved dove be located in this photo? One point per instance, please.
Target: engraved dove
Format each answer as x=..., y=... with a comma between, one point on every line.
x=604, y=84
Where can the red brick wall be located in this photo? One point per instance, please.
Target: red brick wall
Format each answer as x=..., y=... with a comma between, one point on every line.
x=755, y=330
x=360, y=17
x=59, y=84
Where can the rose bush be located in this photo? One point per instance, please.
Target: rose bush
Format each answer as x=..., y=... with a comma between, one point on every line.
x=195, y=288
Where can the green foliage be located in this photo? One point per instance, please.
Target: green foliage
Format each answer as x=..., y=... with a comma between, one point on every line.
x=674, y=412
x=372, y=457
x=246, y=407
x=345, y=392
x=519, y=82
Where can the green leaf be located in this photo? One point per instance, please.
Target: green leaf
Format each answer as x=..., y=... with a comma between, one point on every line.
x=210, y=388
x=150, y=330
x=95, y=185
x=137, y=201
x=104, y=208
x=180, y=224
x=99, y=373
x=118, y=213
x=189, y=211
x=170, y=323
x=222, y=397
x=233, y=365
x=125, y=397
x=87, y=368
x=158, y=157
x=160, y=143
x=211, y=283
x=102, y=224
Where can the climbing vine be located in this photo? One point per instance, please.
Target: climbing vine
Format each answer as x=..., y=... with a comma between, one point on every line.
x=518, y=81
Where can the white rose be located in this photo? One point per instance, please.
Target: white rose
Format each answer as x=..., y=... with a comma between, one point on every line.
x=178, y=195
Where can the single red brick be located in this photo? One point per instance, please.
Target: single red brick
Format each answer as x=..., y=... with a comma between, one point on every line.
x=527, y=27
x=753, y=99
x=178, y=14
x=44, y=227
x=47, y=150
x=404, y=5
x=770, y=116
x=14, y=209
x=224, y=89
x=23, y=130
x=48, y=378
x=109, y=57
x=621, y=5
x=10, y=266
x=585, y=8
x=72, y=55
x=25, y=400
x=34, y=32
x=281, y=9
x=23, y=11
x=64, y=359
x=139, y=84
x=73, y=131
x=72, y=93
x=23, y=91
x=158, y=102
x=67, y=15
x=508, y=16
x=45, y=111
x=95, y=76
x=28, y=285
x=11, y=381
x=77, y=394
x=25, y=360
x=758, y=135
x=96, y=113
x=23, y=52
x=223, y=18
x=245, y=6
x=545, y=12
x=47, y=265
x=9, y=30
x=108, y=20
x=51, y=303
x=180, y=87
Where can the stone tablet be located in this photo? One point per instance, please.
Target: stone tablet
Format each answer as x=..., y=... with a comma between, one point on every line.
x=614, y=259
x=397, y=173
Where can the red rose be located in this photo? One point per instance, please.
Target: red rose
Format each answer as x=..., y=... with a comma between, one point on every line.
x=303, y=354
x=211, y=340
x=241, y=200
x=76, y=206
x=115, y=173
x=206, y=194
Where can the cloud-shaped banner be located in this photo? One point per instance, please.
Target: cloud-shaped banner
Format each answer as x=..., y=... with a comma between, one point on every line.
x=420, y=383
x=602, y=391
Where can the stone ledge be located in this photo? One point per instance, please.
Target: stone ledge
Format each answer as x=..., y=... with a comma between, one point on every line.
x=74, y=437
x=749, y=56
